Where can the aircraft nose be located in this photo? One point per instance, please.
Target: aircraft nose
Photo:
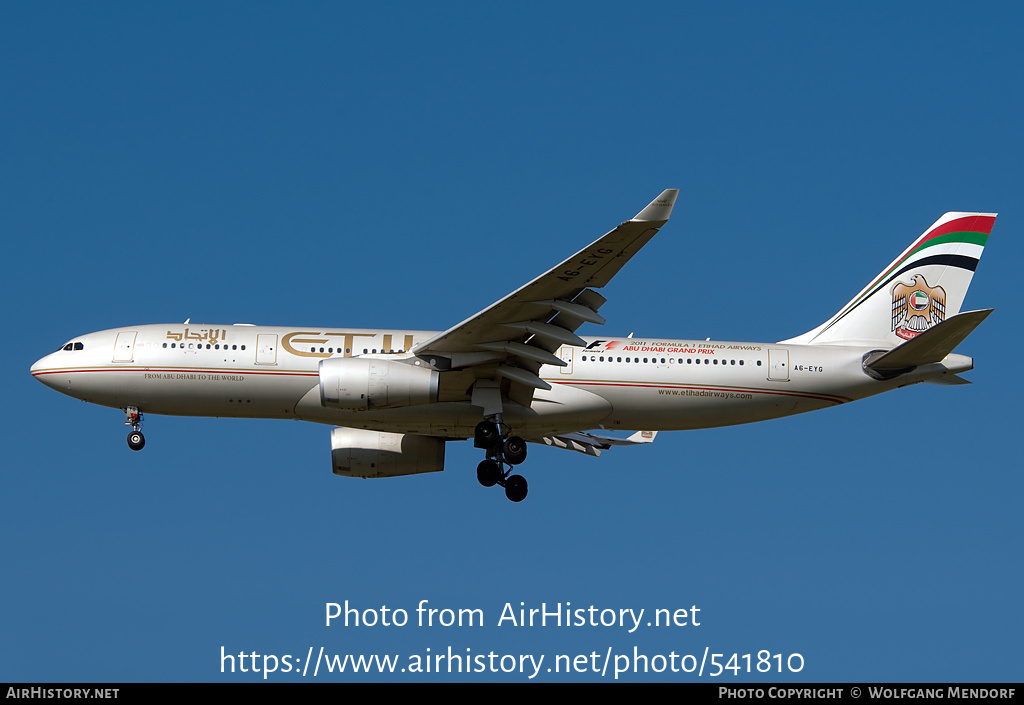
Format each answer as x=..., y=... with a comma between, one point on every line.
x=39, y=369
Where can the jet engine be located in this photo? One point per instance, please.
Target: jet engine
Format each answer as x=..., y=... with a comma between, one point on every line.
x=358, y=384
x=359, y=453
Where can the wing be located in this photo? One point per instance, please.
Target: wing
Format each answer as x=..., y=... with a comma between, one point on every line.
x=592, y=443
x=513, y=337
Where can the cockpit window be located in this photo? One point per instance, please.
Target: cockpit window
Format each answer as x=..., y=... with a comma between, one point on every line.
x=73, y=346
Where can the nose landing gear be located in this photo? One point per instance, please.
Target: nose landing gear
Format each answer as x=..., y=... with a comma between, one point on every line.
x=133, y=418
x=502, y=449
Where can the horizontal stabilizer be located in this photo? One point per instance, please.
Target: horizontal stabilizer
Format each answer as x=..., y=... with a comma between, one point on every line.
x=931, y=346
x=948, y=380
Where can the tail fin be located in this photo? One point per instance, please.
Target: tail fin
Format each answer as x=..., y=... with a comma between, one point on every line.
x=923, y=287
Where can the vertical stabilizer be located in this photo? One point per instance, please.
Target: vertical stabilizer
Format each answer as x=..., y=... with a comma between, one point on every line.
x=924, y=286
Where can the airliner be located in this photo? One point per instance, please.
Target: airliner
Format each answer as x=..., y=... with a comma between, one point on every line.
x=517, y=372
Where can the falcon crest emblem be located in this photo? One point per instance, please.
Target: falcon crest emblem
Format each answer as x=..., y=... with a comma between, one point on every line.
x=916, y=307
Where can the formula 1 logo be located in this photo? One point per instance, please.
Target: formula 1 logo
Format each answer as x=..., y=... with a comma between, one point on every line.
x=916, y=307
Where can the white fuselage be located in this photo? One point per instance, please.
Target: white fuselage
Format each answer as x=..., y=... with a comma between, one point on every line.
x=616, y=383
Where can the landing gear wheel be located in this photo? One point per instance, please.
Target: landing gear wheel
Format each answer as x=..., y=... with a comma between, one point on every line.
x=486, y=435
x=136, y=440
x=489, y=472
x=504, y=451
x=515, y=488
x=515, y=450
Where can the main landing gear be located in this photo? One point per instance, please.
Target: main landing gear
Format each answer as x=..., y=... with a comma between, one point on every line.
x=133, y=418
x=502, y=449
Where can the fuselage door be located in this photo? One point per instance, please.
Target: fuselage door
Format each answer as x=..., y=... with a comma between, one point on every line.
x=266, y=349
x=124, y=346
x=565, y=352
x=778, y=365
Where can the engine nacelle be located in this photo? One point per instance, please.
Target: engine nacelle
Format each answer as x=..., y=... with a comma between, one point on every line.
x=358, y=384
x=359, y=453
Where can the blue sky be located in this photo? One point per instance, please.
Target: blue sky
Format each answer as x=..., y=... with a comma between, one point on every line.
x=405, y=165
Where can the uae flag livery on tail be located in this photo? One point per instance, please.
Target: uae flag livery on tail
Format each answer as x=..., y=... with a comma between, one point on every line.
x=922, y=287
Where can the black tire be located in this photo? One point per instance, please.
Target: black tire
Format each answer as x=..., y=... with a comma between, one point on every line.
x=486, y=435
x=516, y=488
x=136, y=440
x=514, y=450
x=489, y=472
